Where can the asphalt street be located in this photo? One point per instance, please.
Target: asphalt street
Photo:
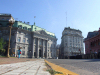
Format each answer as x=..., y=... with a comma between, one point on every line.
x=79, y=66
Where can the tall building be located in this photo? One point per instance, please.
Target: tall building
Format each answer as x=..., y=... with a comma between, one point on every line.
x=35, y=41
x=71, y=43
x=92, y=42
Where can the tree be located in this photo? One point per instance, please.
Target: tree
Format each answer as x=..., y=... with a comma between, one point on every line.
x=2, y=43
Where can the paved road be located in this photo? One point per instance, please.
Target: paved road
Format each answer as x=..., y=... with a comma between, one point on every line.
x=79, y=66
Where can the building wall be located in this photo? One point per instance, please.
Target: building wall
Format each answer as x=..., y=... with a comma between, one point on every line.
x=72, y=41
x=5, y=16
x=25, y=38
x=92, y=45
x=27, y=44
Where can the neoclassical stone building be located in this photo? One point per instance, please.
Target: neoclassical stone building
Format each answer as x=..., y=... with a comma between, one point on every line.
x=35, y=41
x=71, y=43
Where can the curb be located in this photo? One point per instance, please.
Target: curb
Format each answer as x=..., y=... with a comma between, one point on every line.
x=60, y=69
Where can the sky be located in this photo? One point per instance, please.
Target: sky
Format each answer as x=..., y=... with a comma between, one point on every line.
x=55, y=15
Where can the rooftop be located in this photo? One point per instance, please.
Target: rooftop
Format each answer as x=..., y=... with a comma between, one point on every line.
x=5, y=14
x=66, y=28
x=92, y=34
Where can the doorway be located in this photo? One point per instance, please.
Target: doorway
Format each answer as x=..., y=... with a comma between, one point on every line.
x=40, y=53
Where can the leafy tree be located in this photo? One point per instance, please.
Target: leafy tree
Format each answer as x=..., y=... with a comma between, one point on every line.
x=2, y=43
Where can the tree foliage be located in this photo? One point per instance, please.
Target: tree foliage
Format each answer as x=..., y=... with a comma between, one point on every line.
x=2, y=43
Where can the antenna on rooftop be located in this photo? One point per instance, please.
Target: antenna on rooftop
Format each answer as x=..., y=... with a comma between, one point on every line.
x=66, y=18
x=34, y=19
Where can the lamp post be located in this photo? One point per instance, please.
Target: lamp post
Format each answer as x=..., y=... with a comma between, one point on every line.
x=11, y=21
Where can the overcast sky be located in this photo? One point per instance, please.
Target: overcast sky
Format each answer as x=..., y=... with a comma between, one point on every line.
x=51, y=14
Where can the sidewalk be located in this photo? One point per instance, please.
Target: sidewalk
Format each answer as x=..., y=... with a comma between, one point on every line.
x=35, y=67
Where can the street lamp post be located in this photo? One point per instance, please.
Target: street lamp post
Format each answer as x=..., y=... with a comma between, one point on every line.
x=11, y=21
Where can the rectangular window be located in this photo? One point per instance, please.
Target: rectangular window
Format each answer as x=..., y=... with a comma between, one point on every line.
x=19, y=39
x=25, y=28
x=2, y=18
x=18, y=47
x=7, y=19
x=27, y=41
x=24, y=40
x=23, y=47
x=35, y=41
x=19, y=32
x=99, y=43
x=40, y=42
x=20, y=27
x=29, y=29
x=24, y=33
x=66, y=44
x=48, y=54
x=23, y=52
x=48, y=44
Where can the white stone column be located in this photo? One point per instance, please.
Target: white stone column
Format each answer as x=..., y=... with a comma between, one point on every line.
x=38, y=48
x=33, y=47
x=46, y=51
x=43, y=49
x=15, y=50
x=16, y=44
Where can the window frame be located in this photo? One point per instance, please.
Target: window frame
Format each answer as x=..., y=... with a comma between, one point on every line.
x=24, y=40
x=19, y=39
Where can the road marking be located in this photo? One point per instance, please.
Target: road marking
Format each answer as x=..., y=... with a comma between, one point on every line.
x=60, y=69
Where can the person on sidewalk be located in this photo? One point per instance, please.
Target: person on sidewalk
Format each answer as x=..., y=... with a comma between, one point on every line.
x=19, y=52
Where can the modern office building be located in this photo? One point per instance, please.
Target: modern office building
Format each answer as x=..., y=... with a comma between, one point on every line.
x=35, y=41
x=92, y=42
x=71, y=43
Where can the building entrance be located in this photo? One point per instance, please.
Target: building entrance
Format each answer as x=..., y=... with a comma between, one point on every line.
x=40, y=53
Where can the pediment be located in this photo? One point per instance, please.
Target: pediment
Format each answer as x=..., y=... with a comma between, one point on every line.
x=42, y=32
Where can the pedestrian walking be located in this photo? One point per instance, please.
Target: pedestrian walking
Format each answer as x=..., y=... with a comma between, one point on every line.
x=19, y=52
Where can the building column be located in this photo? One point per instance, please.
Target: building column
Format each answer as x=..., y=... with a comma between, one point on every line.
x=43, y=49
x=33, y=48
x=15, y=44
x=46, y=51
x=37, y=48
x=15, y=50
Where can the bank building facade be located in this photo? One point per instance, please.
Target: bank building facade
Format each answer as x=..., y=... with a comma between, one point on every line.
x=35, y=42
